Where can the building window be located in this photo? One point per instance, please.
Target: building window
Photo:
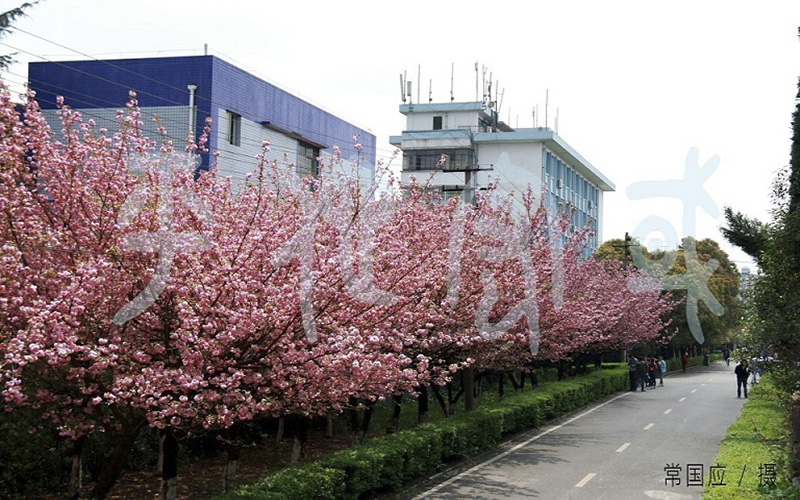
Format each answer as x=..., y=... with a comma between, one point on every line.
x=431, y=159
x=307, y=160
x=234, y=128
x=437, y=123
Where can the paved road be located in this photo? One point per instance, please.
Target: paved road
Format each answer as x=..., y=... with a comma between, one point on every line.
x=617, y=450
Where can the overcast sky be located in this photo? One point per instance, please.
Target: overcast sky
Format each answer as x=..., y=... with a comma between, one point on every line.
x=635, y=85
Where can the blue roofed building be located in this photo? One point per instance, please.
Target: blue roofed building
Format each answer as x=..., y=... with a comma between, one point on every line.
x=183, y=91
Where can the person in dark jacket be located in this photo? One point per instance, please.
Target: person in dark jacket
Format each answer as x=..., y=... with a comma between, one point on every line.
x=632, y=364
x=641, y=373
x=741, y=378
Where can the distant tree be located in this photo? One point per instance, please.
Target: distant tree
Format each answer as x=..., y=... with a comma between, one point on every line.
x=611, y=249
x=7, y=19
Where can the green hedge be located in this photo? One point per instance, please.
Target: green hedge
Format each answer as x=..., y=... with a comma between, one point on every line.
x=386, y=463
x=304, y=482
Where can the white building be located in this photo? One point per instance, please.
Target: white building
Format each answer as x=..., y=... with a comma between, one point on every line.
x=462, y=147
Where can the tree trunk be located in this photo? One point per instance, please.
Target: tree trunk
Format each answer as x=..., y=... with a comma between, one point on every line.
x=115, y=463
x=397, y=406
x=169, y=465
x=468, y=378
x=534, y=378
x=76, y=474
x=423, y=405
x=561, y=370
x=233, y=447
x=440, y=399
x=328, y=426
x=279, y=434
x=514, y=383
x=363, y=427
x=301, y=427
x=230, y=480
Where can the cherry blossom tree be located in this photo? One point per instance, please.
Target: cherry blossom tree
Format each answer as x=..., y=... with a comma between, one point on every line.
x=135, y=294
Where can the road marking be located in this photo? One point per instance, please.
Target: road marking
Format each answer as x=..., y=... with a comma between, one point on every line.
x=623, y=447
x=682, y=399
x=701, y=385
x=515, y=448
x=585, y=480
x=694, y=390
x=667, y=411
x=649, y=426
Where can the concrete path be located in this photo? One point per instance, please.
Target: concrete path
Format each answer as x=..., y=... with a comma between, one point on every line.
x=659, y=444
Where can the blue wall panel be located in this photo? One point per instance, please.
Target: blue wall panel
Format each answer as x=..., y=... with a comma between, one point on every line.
x=220, y=85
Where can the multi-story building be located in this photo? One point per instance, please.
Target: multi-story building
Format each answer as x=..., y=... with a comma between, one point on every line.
x=183, y=91
x=462, y=147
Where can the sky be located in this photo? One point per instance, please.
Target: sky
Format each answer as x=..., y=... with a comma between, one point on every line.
x=637, y=87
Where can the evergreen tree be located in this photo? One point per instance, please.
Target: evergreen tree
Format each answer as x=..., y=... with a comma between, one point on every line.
x=775, y=295
x=7, y=19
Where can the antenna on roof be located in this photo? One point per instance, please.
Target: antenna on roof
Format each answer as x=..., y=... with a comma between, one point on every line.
x=452, y=72
x=546, y=102
x=500, y=104
x=402, y=88
x=408, y=91
x=476, y=80
x=483, y=82
x=430, y=90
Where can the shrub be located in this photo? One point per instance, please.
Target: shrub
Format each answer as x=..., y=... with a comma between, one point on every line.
x=386, y=463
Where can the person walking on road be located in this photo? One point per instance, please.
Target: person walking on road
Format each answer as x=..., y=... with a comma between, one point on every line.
x=662, y=369
x=684, y=361
x=741, y=378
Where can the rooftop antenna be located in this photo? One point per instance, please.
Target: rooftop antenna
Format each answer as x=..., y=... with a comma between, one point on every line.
x=430, y=90
x=483, y=82
x=452, y=72
x=546, y=103
x=476, y=81
x=402, y=88
x=408, y=91
x=500, y=104
x=533, y=116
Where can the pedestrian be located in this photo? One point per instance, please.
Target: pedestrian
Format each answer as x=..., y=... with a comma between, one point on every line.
x=726, y=353
x=753, y=368
x=684, y=361
x=741, y=378
x=662, y=369
x=641, y=373
x=632, y=364
x=651, y=372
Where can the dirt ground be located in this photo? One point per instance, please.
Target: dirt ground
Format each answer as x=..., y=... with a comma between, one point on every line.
x=202, y=478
